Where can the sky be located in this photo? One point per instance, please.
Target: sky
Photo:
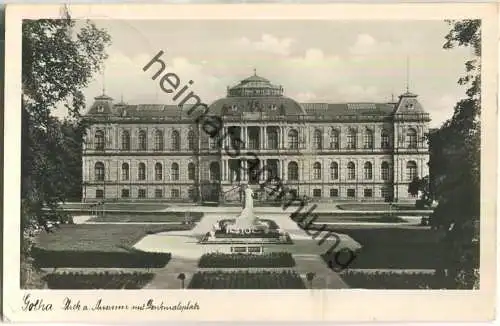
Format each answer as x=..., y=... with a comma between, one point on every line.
x=315, y=61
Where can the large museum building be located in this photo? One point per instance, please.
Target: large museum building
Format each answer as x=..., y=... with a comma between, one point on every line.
x=326, y=151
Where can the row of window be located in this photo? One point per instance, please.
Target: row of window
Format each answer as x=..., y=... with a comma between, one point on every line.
x=142, y=142
x=141, y=193
x=175, y=193
x=351, y=193
x=99, y=171
x=272, y=141
x=293, y=171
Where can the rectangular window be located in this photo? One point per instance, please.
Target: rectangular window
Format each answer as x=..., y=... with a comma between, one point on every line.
x=125, y=193
x=142, y=193
x=174, y=193
x=351, y=193
x=386, y=194
x=334, y=192
x=316, y=192
x=368, y=193
x=158, y=193
x=99, y=193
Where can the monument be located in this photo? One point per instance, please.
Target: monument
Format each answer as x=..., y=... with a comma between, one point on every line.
x=246, y=228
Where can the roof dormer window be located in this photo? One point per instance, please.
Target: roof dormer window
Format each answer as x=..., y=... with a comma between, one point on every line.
x=409, y=106
x=100, y=109
x=234, y=108
x=273, y=107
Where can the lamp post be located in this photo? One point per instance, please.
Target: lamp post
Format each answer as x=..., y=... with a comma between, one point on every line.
x=310, y=276
x=181, y=277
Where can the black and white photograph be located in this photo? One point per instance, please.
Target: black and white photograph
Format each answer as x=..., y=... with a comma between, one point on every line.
x=247, y=153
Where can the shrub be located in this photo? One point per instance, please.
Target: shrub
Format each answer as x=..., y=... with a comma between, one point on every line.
x=247, y=280
x=80, y=281
x=272, y=259
x=123, y=259
x=391, y=280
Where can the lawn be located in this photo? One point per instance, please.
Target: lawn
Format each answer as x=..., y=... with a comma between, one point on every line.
x=395, y=247
x=125, y=206
x=93, y=237
x=163, y=217
x=376, y=207
x=327, y=217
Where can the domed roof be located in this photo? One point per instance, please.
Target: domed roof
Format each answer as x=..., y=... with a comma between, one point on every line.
x=254, y=81
x=271, y=105
x=255, y=86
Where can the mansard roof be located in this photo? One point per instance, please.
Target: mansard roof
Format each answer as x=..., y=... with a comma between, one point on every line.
x=272, y=105
x=348, y=109
x=257, y=96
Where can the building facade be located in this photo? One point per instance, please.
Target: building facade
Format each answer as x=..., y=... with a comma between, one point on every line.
x=326, y=151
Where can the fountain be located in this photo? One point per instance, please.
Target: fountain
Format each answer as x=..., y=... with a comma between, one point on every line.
x=246, y=228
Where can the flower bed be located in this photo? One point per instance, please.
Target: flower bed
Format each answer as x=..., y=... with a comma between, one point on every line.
x=106, y=280
x=272, y=259
x=271, y=223
x=117, y=259
x=246, y=280
x=392, y=280
x=257, y=234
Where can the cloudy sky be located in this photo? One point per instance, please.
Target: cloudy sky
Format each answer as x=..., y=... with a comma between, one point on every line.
x=315, y=61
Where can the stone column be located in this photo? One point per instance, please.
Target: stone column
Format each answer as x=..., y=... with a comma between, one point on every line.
x=282, y=171
x=264, y=144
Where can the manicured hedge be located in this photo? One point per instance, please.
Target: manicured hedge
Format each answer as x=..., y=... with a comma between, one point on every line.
x=123, y=259
x=391, y=280
x=272, y=259
x=80, y=281
x=247, y=280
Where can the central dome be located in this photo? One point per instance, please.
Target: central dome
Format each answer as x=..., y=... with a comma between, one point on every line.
x=255, y=86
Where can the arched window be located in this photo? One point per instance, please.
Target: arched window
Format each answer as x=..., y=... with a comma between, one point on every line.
x=125, y=171
x=213, y=142
x=368, y=173
x=351, y=171
x=411, y=137
x=175, y=171
x=335, y=139
x=411, y=170
x=317, y=139
x=176, y=141
x=99, y=140
x=293, y=139
x=143, y=140
x=368, y=139
x=191, y=141
x=99, y=171
x=191, y=171
x=158, y=172
x=293, y=171
x=384, y=139
x=272, y=138
x=125, y=140
x=317, y=171
x=385, y=171
x=141, y=175
x=351, y=139
x=158, y=140
x=334, y=171
x=214, y=171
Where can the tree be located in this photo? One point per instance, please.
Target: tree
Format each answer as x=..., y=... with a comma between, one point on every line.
x=456, y=165
x=60, y=57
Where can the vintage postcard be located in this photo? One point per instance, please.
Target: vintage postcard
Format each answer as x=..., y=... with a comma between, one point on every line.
x=250, y=162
